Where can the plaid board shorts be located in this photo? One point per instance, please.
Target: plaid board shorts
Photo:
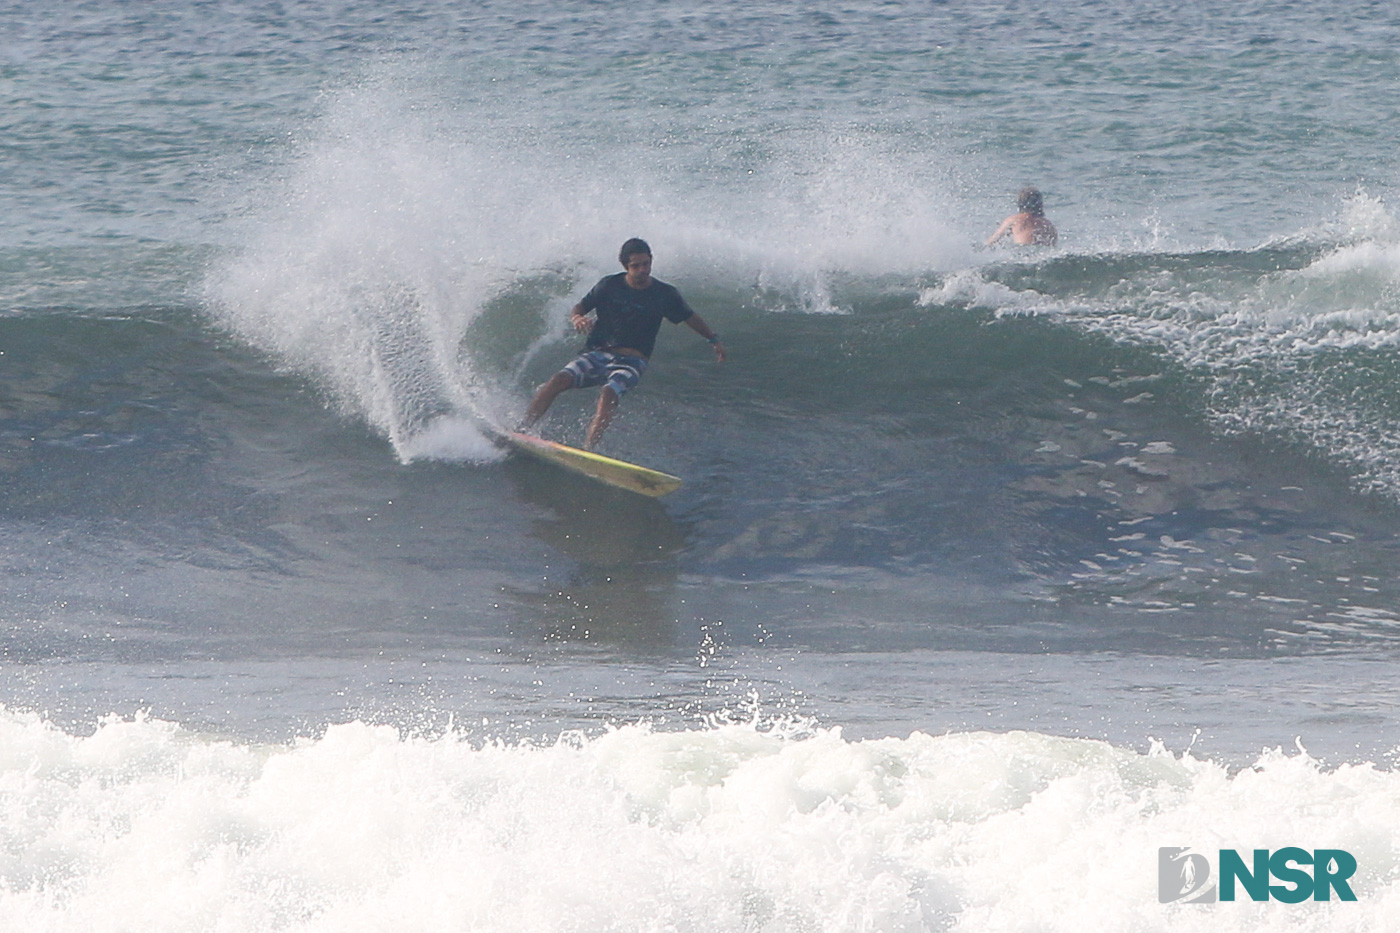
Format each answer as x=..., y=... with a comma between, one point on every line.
x=599, y=367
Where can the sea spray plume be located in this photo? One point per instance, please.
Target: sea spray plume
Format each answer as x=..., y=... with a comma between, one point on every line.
x=406, y=210
x=364, y=267
x=345, y=281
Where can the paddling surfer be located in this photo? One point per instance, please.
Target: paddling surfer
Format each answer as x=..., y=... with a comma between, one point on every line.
x=1029, y=227
x=628, y=308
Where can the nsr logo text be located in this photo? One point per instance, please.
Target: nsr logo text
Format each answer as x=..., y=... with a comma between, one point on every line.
x=1184, y=876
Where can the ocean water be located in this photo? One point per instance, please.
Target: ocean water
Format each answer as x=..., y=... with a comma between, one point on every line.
x=994, y=571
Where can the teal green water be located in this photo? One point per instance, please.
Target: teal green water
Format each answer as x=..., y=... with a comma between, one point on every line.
x=994, y=570
x=267, y=269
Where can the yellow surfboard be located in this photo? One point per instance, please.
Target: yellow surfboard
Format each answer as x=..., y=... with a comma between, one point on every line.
x=617, y=473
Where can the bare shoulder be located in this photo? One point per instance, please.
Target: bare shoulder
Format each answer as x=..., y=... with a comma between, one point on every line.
x=1044, y=232
x=1033, y=230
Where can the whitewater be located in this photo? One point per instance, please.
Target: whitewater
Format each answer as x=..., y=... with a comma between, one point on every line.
x=739, y=825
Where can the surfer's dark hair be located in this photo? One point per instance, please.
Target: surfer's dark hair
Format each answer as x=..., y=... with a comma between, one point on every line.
x=631, y=248
x=1029, y=201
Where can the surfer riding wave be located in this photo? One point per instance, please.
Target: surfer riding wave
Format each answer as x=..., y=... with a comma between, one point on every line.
x=628, y=308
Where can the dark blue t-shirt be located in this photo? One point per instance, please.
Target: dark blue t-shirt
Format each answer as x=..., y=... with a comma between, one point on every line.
x=631, y=317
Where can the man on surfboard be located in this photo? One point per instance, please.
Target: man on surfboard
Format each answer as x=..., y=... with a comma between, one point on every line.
x=628, y=308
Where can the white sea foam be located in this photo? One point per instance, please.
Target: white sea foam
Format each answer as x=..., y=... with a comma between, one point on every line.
x=968, y=288
x=734, y=826
x=452, y=439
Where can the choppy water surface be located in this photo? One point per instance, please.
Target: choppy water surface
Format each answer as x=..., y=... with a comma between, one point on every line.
x=988, y=562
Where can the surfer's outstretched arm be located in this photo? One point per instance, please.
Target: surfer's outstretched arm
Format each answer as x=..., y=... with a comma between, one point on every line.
x=696, y=323
x=580, y=319
x=1001, y=231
